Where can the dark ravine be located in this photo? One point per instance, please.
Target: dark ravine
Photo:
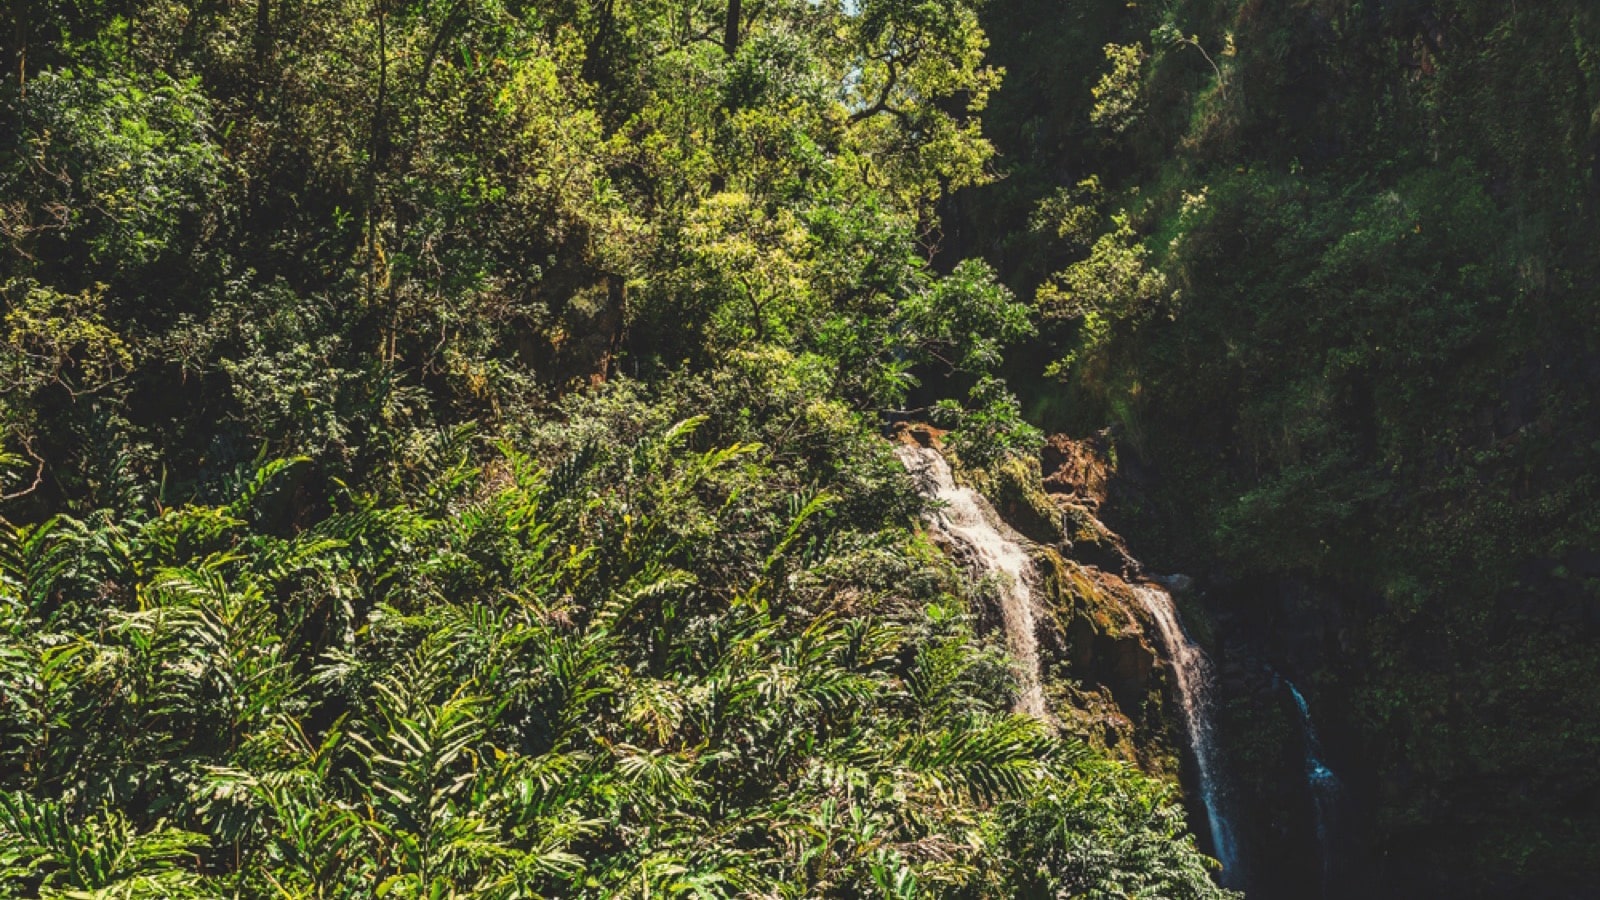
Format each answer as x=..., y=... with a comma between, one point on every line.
x=1328, y=269
x=1300, y=830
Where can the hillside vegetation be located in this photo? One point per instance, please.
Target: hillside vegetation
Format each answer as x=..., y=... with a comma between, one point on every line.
x=441, y=460
x=441, y=442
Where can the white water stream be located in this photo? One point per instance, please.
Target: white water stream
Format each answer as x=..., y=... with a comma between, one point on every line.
x=994, y=549
x=1324, y=784
x=1192, y=679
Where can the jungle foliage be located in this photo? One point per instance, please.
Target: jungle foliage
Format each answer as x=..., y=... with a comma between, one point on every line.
x=647, y=669
x=441, y=459
x=1328, y=268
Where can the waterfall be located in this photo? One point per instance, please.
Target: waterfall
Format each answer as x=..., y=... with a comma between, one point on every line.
x=1324, y=784
x=1193, y=682
x=992, y=547
x=996, y=551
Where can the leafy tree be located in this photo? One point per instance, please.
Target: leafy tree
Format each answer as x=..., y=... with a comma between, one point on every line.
x=441, y=456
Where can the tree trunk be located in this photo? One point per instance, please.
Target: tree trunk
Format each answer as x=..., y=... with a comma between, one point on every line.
x=18, y=51
x=594, y=56
x=730, y=34
x=377, y=150
x=263, y=33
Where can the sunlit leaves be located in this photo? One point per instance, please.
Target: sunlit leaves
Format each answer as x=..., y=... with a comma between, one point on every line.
x=46, y=850
x=635, y=682
x=108, y=171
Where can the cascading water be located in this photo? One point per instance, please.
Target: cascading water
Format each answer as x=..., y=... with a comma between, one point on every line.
x=970, y=522
x=1193, y=682
x=1324, y=784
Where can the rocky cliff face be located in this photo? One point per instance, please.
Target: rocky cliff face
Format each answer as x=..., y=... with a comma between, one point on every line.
x=1301, y=832
x=1101, y=665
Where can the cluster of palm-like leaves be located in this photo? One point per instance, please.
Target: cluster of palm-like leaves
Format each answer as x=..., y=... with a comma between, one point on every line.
x=647, y=671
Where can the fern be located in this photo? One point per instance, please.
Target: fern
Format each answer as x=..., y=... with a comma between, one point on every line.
x=654, y=668
x=41, y=845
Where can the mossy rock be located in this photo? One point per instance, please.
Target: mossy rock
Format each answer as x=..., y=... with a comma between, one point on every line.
x=1016, y=488
x=1091, y=541
x=1080, y=593
x=1100, y=663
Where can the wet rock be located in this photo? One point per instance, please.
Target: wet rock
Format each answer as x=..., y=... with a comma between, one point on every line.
x=1101, y=643
x=1091, y=542
x=1175, y=584
x=919, y=433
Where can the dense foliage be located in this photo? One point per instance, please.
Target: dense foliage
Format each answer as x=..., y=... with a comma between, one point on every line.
x=441, y=459
x=650, y=669
x=318, y=224
x=1330, y=268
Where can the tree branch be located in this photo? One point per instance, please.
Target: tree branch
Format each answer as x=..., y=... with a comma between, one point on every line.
x=882, y=104
x=38, y=473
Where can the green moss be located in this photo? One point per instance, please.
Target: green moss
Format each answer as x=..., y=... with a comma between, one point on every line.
x=1101, y=670
x=1016, y=488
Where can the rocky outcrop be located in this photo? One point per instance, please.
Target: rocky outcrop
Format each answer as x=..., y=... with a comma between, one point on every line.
x=1079, y=470
x=1015, y=487
x=1076, y=477
x=1103, y=674
x=1101, y=662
